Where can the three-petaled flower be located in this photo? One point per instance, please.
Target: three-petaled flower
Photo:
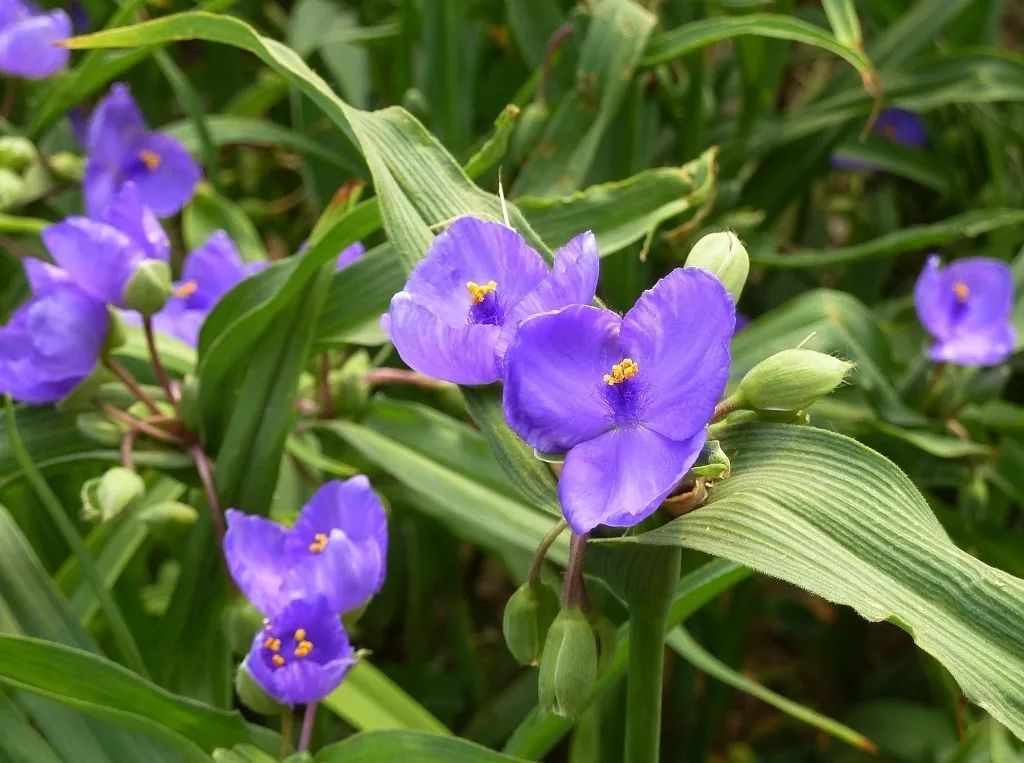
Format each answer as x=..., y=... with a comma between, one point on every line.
x=629, y=398
x=967, y=306
x=27, y=40
x=463, y=303
x=123, y=150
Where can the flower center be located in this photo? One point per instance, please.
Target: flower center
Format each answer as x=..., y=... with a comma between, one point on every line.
x=302, y=648
x=186, y=290
x=479, y=292
x=962, y=292
x=151, y=159
x=319, y=543
x=627, y=368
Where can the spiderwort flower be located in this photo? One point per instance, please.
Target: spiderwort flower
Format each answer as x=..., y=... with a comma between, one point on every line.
x=209, y=273
x=966, y=307
x=349, y=255
x=463, y=303
x=302, y=653
x=101, y=255
x=337, y=550
x=896, y=125
x=27, y=37
x=122, y=149
x=628, y=397
x=52, y=342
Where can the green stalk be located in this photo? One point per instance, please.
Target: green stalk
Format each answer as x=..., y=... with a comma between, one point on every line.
x=118, y=627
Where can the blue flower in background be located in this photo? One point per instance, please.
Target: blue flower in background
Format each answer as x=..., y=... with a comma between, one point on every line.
x=337, y=550
x=463, y=303
x=897, y=125
x=122, y=149
x=629, y=398
x=966, y=307
x=101, y=255
x=209, y=273
x=52, y=342
x=349, y=255
x=27, y=37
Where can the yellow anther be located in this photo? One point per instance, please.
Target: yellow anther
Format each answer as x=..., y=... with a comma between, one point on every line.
x=300, y=634
x=273, y=644
x=962, y=291
x=626, y=369
x=319, y=543
x=278, y=660
x=151, y=159
x=303, y=648
x=186, y=290
x=477, y=292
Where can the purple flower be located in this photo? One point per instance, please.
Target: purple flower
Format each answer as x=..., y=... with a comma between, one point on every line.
x=101, y=255
x=52, y=342
x=27, y=37
x=337, y=549
x=302, y=653
x=897, y=125
x=966, y=306
x=349, y=255
x=463, y=304
x=628, y=397
x=122, y=149
x=210, y=272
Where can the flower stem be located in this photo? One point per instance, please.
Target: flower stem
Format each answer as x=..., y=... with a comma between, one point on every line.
x=158, y=366
x=307, y=727
x=324, y=385
x=287, y=732
x=132, y=384
x=205, y=469
x=575, y=592
x=533, y=578
x=724, y=408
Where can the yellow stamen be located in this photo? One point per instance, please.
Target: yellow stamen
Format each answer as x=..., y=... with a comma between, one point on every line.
x=151, y=159
x=962, y=291
x=273, y=644
x=477, y=292
x=300, y=634
x=303, y=648
x=278, y=660
x=186, y=290
x=626, y=369
x=319, y=543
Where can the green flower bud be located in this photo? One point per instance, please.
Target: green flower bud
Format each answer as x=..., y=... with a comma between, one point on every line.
x=253, y=696
x=103, y=498
x=12, y=188
x=528, y=616
x=568, y=667
x=16, y=153
x=350, y=391
x=241, y=622
x=790, y=380
x=116, y=335
x=530, y=129
x=714, y=464
x=149, y=287
x=68, y=166
x=415, y=102
x=169, y=519
x=724, y=255
x=98, y=428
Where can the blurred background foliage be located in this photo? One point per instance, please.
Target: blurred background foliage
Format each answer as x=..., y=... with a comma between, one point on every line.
x=652, y=123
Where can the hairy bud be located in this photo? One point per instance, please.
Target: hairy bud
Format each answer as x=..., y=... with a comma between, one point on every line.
x=528, y=617
x=724, y=255
x=791, y=380
x=568, y=667
x=149, y=287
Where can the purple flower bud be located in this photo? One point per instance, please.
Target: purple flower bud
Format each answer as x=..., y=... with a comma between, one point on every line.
x=122, y=150
x=349, y=255
x=101, y=255
x=302, y=653
x=463, y=304
x=27, y=37
x=337, y=550
x=628, y=397
x=966, y=306
x=52, y=342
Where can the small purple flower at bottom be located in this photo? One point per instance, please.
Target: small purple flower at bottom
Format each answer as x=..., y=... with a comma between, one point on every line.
x=122, y=150
x=302, y=653
x=337, y=550
x=463, y=303
x=967, y=306
x=52, y=342
x=209, y=273
x=27, y=37
x=629, y=398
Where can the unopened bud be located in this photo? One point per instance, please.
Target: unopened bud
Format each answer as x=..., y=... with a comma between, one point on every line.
x=98, y=428
x=103, y=498
x=791, y=380
x=568, y=667
x=169, y=519
x=16, y=153
x=350, y=390
x=68, y=166
x=530, y=129
x=724, y=255
x=116, y=335
x=416, y=103
x=528, y=616
x=254, y=696
x=149, y=288
x=12, y=187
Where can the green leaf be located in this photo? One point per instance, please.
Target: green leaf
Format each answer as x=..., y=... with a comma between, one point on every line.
x=408, y=747
x=19, y=741
x=102, y=688
x=842, y=17
x=370, y=701
x=824, y=512
x=209, y=212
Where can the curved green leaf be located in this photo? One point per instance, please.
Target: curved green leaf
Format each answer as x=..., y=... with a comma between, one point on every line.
x=370, y=701
x=408, y=747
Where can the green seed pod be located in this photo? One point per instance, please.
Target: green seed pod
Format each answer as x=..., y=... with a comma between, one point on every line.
x=528, y=616
x=68, y=166
x=724, y=255
x=253, y=696
x=530, y=129
x=12, y=187
x=169, y=519
x=99, y=429
x=568, y=667
x=149, y=287
x=790, y=380
x=103, y=498
x=16, y=153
